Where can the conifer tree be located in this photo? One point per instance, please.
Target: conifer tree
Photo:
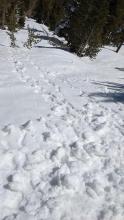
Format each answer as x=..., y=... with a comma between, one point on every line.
x=86, y=27
x=114, y=29
x=50, y=12
x=32, y=39
x=4, y=4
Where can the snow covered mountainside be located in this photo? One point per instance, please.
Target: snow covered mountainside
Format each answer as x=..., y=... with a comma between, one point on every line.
x=61, y=132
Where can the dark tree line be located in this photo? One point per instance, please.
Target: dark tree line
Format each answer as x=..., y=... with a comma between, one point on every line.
x=87, y=25
x=11, y=14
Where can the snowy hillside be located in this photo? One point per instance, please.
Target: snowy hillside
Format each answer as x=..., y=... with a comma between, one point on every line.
x=61, y=132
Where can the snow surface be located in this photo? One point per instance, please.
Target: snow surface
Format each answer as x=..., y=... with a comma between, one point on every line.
x=61, y=132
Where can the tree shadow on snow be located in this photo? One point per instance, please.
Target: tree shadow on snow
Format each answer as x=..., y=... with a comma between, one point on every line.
x=53, y=40
x=120, y=69
x=107, y=48
x=60, y=48
x=34, y=30
x=114, y=92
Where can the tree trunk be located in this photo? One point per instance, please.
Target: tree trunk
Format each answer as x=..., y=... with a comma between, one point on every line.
x=31, y=8
x=119, y=47
x=3, y=18
x=82, y=47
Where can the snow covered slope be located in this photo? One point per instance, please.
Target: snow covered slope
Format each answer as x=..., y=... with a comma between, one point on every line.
x=61, y=132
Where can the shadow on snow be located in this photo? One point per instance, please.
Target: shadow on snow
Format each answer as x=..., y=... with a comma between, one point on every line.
x=120, y=69
x=53, y=47
x=114, y=92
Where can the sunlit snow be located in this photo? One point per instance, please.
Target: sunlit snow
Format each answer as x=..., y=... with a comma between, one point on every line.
x=61, y=132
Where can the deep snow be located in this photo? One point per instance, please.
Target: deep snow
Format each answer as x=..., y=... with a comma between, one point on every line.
x=61, y=132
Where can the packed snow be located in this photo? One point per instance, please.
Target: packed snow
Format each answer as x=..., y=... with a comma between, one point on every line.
x=61, y=131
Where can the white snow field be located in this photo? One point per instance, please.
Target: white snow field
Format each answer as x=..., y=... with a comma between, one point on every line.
x=61, y=132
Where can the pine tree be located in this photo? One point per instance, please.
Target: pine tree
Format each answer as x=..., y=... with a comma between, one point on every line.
x=12, y=16
x=4, y=4
x=50, y=12
x=86, y=26
x=114, y=29
x=12, y=39
x=32, y=39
